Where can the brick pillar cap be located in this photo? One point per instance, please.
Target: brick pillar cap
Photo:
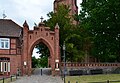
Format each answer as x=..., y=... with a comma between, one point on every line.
x=57, y=26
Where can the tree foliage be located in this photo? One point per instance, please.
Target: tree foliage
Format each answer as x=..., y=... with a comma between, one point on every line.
x=69, y=33
x=44, y=54
x=101, y=19
x=34, y=62
x=62, y=18
x=42, y=50
x=39, y=62
x=43, y=62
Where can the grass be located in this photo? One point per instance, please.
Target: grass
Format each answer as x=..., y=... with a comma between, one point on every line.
x=94, y=78
x=8, y=80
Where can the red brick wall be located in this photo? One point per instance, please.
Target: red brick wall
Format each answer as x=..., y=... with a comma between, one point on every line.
x=15, y=59
x=12, y=50
x=4, y=52
x=15, y=62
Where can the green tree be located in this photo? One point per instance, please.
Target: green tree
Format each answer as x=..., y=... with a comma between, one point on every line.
x=43, y=62
x=62, y=18
x=44, y=54
x=101, y=19
x=34, y=62
x=42, y=50
x=68, y=33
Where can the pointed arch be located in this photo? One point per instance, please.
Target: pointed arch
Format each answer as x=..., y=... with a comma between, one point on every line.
x=42, y=40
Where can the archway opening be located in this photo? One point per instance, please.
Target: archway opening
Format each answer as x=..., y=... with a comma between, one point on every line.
x=40, y=56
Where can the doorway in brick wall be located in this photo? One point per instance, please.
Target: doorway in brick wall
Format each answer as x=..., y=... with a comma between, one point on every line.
x=40, y=56
x=41, y=60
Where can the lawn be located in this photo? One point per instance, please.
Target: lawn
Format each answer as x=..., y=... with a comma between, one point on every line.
x=94, y=78
x=8, y=80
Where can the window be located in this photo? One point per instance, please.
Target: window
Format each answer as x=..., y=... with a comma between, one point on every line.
x=4, y=64
x=4, y=43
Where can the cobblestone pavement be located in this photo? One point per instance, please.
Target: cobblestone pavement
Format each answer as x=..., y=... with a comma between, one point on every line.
x=37, y=78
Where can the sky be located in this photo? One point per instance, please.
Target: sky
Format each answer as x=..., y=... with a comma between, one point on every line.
x=29, y=10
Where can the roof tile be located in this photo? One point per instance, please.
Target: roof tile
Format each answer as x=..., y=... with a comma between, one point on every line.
x=9, y=28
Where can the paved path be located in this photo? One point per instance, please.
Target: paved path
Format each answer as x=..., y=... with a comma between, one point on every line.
x=37, y=78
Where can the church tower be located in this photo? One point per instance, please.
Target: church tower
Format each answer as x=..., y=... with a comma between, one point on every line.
x=71, y=3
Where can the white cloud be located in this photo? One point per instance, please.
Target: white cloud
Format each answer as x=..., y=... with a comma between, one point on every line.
x=35, y=54
x=30, y=10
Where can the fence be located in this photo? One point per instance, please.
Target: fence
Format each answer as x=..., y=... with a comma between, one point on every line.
x=8, y=79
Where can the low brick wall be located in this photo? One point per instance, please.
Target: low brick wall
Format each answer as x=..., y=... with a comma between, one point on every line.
x=92, y=68
x=90, y=64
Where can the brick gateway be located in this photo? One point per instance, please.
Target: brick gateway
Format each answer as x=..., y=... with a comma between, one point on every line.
x=44, y=35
